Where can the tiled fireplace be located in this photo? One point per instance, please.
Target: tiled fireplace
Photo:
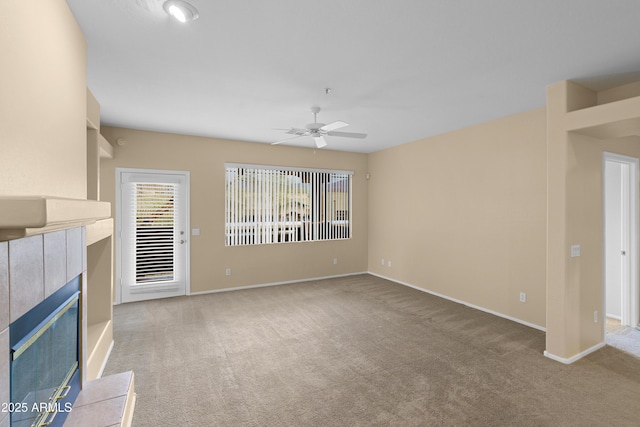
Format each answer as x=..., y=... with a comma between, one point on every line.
x=31, y=270
x=47, y=246
x=36, y=270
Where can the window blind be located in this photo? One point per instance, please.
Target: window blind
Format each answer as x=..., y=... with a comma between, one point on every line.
x=267, y=204
x=154, y=214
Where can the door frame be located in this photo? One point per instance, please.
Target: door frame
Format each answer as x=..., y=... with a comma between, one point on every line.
x=630, y=291
x=118, y=225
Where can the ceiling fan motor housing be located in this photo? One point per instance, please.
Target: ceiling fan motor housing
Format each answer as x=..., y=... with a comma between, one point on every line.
x=314, y=126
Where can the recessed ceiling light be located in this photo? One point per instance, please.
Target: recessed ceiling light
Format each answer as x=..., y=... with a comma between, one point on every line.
x=180, y=10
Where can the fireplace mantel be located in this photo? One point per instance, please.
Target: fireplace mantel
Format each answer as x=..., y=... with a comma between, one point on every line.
x=23, y=216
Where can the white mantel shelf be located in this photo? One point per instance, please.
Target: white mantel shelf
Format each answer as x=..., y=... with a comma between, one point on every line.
x=22, y=216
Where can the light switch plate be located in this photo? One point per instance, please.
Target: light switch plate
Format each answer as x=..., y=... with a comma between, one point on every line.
x=195, y=231
x=575, y=251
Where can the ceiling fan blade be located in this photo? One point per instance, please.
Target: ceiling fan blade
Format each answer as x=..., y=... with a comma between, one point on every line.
x=286, y=139
x=320, y=142
x=348, y=134
x=335, y=125
x=299, y=132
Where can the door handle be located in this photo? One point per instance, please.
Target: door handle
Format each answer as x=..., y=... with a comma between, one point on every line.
x=182, y=242
x=624, y=252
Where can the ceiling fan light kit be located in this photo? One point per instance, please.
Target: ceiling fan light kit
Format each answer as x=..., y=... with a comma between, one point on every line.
x=319, y=130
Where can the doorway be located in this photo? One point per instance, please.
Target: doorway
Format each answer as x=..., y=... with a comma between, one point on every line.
x=620, y=200
x=152, y=249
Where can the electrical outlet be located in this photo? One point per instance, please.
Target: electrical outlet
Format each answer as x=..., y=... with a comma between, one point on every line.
x=523, y=297
x=382, y=261
x=335, y=261
x=595, y=316
x=388, y=263
x=228, y=272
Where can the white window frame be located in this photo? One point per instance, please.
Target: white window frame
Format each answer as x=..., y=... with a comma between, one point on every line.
x=282, y=204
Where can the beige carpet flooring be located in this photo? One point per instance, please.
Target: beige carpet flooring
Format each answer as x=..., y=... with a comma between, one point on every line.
x=356, y=351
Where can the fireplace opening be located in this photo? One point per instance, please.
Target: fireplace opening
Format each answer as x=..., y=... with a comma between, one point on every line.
x=44, y=359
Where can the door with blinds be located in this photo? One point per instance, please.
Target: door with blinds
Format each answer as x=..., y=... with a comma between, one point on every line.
x=152, y=234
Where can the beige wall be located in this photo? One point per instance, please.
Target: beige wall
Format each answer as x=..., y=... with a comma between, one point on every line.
x=574, y=163
x=204, y=158
x=463, y=215
x=585, y=207
x=42, y=100
x=42, y=121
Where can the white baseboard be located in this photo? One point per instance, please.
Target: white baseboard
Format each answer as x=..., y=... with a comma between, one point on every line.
x=264, y=285
x=486, y=310
x=566, y=361
x=578, y=356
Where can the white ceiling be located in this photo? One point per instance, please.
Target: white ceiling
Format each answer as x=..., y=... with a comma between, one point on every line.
x=399, y=70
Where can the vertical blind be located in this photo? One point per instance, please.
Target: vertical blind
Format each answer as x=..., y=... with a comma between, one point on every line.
x=154, y=214
x=266, y=204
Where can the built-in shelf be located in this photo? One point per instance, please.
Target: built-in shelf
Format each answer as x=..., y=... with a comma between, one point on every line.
x=95, y=333
x=99, y=230
x=612, y=120
x=99, y=295
x=99, y=343
x=106, y=149
x=93, y=111
x=112, y=397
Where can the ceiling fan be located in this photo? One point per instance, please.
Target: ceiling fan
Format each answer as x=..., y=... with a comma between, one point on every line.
x=318, y=130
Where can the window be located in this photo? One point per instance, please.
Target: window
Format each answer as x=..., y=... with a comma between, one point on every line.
x=271, y=204
x=153, y=211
